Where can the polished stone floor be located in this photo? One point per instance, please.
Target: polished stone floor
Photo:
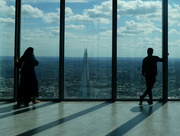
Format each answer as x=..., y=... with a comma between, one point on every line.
x=90, y=119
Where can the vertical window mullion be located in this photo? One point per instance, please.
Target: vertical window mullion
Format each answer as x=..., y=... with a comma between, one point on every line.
x=165, y=48
x=114, y=50
x=61, y=67
x=17, y=45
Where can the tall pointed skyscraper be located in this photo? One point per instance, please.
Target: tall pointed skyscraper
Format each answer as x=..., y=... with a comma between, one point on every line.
x=85, y=82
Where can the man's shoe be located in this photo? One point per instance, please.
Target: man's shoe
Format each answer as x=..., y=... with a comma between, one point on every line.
x=149, y=102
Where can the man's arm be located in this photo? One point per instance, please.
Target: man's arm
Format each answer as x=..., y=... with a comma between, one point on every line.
x=162, y=59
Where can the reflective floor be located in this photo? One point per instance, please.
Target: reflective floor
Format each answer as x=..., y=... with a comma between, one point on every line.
x=90, y=119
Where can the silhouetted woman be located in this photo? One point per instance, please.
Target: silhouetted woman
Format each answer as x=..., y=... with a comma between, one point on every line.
x=28, y=82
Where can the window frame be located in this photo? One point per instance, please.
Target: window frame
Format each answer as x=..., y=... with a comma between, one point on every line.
x=114, y=52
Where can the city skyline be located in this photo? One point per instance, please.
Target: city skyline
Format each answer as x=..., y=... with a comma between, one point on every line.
x=130, y=82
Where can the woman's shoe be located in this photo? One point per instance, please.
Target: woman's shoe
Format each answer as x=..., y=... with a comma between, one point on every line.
x=19, y=104
x=35, y=101
x=149, y=102
x=140, y=100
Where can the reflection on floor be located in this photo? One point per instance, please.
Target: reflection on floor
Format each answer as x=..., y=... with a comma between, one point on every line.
x=90, y=119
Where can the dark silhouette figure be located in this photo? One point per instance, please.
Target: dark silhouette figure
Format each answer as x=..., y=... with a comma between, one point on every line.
x=149, y=71
x=28, y=82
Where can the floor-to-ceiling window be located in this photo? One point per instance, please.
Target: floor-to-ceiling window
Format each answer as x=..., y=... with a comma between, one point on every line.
x=7, y=24
x=174, y=49
x=88, y=46
x=88, y=49
x=40, y=29
x=139, y=27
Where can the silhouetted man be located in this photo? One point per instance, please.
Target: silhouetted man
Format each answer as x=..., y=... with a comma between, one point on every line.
x=149, y=71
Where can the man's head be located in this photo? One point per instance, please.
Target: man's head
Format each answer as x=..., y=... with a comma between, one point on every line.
x=150, y=51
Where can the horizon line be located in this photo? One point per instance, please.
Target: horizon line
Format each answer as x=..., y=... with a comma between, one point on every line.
x=90, y=57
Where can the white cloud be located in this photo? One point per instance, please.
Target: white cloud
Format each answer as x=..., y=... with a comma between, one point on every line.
x=44, y=41
x=98, y=14
x=173, y=15
x=40, y=34
x=77, y=1
x=102, y=11
x=40, y=1
x=143, y=10
x=107, y=33
x=54, y=31
x=53, y=1
x=68, y=11
x=76, y=27
x=52, y=17
x=29, y=11
x=3, y=3
x=174, y=45
x=6, y=10
x=137, y=46
x=134, y=28
x=7, y=21
x=32, y=34
x=86, y=18
x=154, y=43
x=141, y=18
x=173, y=31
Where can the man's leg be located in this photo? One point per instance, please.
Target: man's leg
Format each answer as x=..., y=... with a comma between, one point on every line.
x=144, y=95
x=149, y=84
x=150, y=97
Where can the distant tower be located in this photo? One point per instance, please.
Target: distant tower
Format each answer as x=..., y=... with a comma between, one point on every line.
x=85, y=82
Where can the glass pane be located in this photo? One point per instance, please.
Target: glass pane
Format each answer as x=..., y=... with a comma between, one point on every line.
x=40, y=30
x=174, y=46
x=139, y=27
x=7, y=25
x=88, y=49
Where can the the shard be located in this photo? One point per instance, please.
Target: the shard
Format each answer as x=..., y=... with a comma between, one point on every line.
x=85, y=82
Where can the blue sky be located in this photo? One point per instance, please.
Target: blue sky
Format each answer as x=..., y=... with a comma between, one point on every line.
x=89, y=25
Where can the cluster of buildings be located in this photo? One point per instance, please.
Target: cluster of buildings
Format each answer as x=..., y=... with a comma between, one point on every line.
x=83, y=80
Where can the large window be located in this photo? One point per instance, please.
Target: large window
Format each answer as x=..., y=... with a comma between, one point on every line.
x=7, y=23
x=174, y=48
x=40, y=30
x=139, y=27
x=88, y=49
x=88, y=46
